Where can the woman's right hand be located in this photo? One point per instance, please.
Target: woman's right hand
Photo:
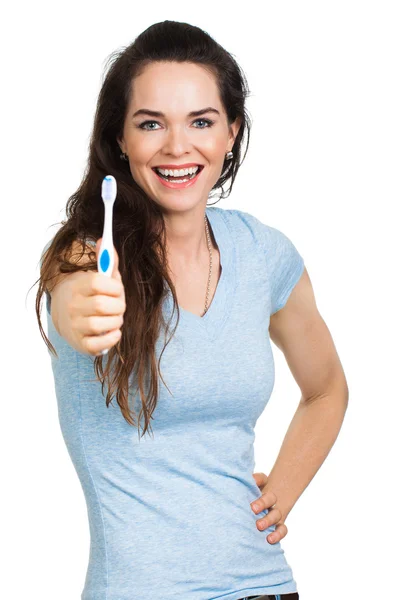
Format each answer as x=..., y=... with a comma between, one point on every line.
x=95, y=309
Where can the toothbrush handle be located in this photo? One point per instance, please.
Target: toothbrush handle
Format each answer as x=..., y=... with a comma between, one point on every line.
x=105, y=258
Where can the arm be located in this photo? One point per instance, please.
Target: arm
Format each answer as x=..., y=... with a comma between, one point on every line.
x=299, y=331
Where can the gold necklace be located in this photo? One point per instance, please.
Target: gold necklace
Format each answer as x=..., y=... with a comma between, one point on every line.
x=209, y=273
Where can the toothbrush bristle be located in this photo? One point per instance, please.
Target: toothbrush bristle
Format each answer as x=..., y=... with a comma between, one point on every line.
x=109, y=188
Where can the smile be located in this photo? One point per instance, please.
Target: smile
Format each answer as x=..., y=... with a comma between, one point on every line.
x=182, y=181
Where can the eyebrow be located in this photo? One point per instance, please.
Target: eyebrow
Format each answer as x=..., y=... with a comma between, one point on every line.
x=156, y=113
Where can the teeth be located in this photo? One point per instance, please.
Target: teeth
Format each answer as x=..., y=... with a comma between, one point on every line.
x=178, y=172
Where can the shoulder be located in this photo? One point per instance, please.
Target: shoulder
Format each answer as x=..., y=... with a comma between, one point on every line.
x=247, y=225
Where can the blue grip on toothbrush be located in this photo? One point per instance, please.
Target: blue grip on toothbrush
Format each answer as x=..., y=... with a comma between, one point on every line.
x=104, y=260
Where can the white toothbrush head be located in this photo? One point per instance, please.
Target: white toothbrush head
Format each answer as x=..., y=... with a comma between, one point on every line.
x=109, y=188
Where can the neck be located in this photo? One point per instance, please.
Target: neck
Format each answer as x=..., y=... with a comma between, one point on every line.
x=187, y=240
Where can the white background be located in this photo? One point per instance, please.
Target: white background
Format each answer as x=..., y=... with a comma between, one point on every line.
x=323, y=167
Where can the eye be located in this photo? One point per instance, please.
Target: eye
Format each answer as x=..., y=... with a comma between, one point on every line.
x=207, y=121
x=141, y=126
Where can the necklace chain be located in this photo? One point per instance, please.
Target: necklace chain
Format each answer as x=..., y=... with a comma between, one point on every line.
x=210, y=269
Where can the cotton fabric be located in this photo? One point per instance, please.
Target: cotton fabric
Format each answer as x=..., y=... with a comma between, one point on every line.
x=169, y=513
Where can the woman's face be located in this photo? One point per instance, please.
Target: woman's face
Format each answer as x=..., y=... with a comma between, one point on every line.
x=175, y=138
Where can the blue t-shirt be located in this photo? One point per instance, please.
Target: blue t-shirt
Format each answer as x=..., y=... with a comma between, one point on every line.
x=170, y=514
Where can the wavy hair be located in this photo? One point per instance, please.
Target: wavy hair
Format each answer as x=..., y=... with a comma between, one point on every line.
x=138, y=224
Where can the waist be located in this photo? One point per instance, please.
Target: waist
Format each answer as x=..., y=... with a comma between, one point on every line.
x=291, y=596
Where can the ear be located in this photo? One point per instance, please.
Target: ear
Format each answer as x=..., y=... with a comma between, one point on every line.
x=233, y=131
x=120, y=144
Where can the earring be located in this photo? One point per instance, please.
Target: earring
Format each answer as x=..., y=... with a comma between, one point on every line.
x=229, y=155
x=123, y=156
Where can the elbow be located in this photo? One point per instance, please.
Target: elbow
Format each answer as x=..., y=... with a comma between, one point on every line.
x=337, y=390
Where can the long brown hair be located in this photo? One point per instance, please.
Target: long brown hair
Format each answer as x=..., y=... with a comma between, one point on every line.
x=138, y=225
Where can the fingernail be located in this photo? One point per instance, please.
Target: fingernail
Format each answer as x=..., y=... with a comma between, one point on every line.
x=256, y=505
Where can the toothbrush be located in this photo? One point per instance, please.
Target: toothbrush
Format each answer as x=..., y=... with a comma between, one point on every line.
x=105, y=259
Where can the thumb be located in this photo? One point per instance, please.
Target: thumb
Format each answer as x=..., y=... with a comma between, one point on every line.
x=115, y=274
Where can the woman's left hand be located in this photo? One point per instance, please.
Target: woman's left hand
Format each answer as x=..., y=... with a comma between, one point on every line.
x=275, y=516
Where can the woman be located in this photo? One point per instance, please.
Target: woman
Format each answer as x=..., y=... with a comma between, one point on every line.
x=171, y=515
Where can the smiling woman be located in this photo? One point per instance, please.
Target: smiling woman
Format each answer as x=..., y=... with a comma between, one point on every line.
x=170, y=515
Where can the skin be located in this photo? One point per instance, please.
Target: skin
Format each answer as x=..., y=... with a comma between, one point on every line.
x=298, y=329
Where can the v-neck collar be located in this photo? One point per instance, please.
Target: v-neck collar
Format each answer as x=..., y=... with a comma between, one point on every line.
x=211, y=323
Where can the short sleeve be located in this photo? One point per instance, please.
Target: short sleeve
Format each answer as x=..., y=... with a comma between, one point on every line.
x=285, y=266
x=284, y=263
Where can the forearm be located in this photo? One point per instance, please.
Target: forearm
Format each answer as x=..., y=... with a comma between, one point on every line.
x=308, y=441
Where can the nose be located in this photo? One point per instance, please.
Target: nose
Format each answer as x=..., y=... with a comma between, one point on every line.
x=177, y=142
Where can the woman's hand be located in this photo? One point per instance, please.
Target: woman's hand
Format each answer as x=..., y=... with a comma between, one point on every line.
x=275, y=516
